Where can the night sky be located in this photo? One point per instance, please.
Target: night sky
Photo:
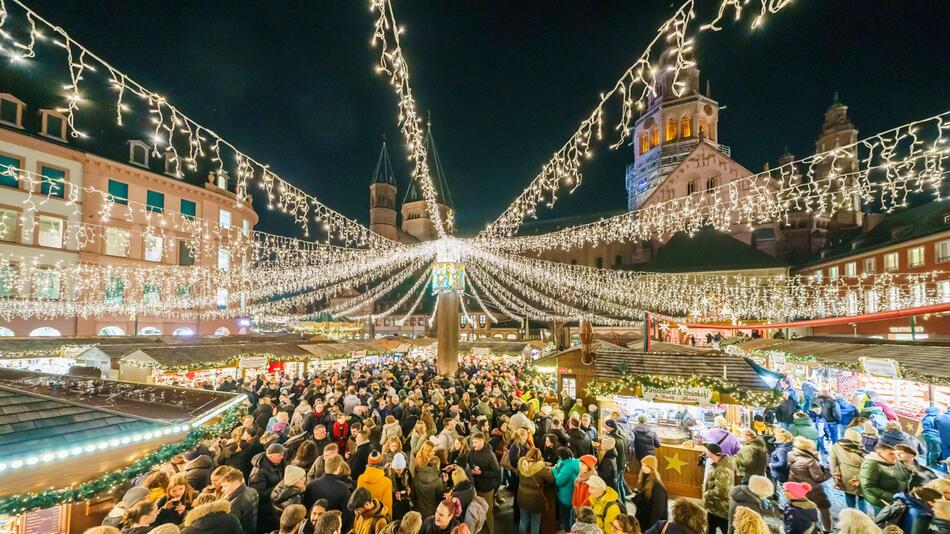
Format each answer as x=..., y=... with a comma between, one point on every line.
x=506, y=81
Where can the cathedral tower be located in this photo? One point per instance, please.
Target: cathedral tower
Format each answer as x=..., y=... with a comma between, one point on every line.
x=837, y=130
x=382, y=198
x=415, y=214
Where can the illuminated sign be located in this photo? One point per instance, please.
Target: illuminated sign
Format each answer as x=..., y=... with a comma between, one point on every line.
x=448, y=276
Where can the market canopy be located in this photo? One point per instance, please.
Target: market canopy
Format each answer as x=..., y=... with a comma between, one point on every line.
x=921, y=361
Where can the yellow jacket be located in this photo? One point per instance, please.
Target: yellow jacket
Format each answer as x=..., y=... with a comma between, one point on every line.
x=606, y=507
x=378, y=484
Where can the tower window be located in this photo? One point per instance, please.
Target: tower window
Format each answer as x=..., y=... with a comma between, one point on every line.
x=655, y=137
x=691, y=187
x=670, y=130
x=711, y=183
x=686, y=127
x=644, y=143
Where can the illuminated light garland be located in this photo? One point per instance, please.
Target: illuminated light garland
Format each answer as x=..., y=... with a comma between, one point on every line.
x=631, y=383
x=393, y=63
x=18, y=504
x=481, y=304
x=563, y=169
x=889, y=166
x=402, y=300
x=412, y=309
x=468, y=318
x=473, y=282
x=168, y=121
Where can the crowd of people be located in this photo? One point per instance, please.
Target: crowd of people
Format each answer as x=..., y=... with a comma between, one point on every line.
x=396, y=449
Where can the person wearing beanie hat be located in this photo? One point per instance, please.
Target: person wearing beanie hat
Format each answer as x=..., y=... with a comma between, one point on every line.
x=604, y=501
x=755, y=496
x=587, y=466
x=918, y=474
x=800, y=516
x=375, y=481
x=289, y=490
x=845, y=461
x=401, y=479
x=720, y=478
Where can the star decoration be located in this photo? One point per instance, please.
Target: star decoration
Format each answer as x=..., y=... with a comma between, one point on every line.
x=673, y=463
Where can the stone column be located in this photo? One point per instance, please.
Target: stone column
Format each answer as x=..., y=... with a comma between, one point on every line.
x=447, y=328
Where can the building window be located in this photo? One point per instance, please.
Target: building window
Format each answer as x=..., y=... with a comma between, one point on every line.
x=221, y=179
x=7, y=280
x=138, y=153
x=819, y=276
x=53, y=124
x=686, y=127
x=618, y=260
x=11, y=110
x=915, y=257
x=154, y=247
x=246, y=227
x=8, y=225
x=10, y=171
x=117, y=242
x=655, y=137
x=691, y=187
x=224, y=219
x=569, y=385
x=833, y=273
x=943, y=251
x=711, y=183
x=183, y=331
x=870, y=265
x=918, y=295
x=53, y=183
x=870, y=301
x=188, y=208
x=46, y=284
x=115, y=291
x=644, y=143
x=155, y=201
x=851, y=268
x=224, y=260
x=893, y=298
x=222, y=298
x=119, y=192
x=186, y=255
x=670, y=130
x=943, y=289
x=150, y=294
x=171, y=164
x=481, y=320
x=600, y=262
x=45, y=331
x=852, y=301
x=891, y=262
x=50, y=232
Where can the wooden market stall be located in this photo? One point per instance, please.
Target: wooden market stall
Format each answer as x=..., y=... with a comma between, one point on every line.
x=663, y=386
x=59, y=431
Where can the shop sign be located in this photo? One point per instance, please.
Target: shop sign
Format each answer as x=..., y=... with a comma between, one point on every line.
x=359, y=354
x=481, y=351
x=48, y=521
x=906, y=330
x=252, y=362
x=880, y=367
x=700, y=396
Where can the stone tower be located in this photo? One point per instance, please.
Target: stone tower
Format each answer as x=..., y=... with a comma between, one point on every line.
x=674, y=122
x=415, y=214
x=382, y=198
x=837, y=130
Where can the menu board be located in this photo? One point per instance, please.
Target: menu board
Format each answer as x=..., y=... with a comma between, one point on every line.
x=48, y=521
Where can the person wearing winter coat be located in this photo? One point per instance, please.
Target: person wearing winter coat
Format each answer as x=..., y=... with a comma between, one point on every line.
x=486, y=475
x=427, y=485
x=374, y=479
x=586, y=522
x=804, y=466
x=941, y=520
x=369, y=515
x=534, y=478
x=267, y=471
x=755, y=495
x=785, y=411
x=919, y=514
x=831, y=413
x=244, y=500
x=211, y=516
x=650, y=495
x=333, y=487
x=621, y=440
x=720, y=435
x=686, y=517
x=931, y=436
x=401, y=478
x=802, y=425
x=845, y=461
x=578, y=440
x=645, y=440
x=915, y=474
x=289, y=490
x=753, y=457
x=778, y=462
x=848, y=413
x=880, y=478
x=607, y=462
x=565, y=472
x=851, y=521
x=719, y=481
x=605, y=502
x=198, y=470
x=800, y=516
x=581, y=495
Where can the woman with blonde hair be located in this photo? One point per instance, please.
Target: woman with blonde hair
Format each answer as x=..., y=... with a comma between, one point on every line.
x=176, y=502
x=747, y=521
x=854, y=521
x=417, y=438
x=778, y=463
x=804, y=466
x=650, y=495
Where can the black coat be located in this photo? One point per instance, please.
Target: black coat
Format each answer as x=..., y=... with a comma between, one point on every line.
x=283, y=496
x=645, y=441
x=198, y=472
x=607, y=468
x=785, y=412
x=621, y=441
x=653, y=508
x=335, y=490
x=241, y=460
x=213, y=518
x=244, y=503
x=579, y=442
x=265, y=475
x=358, y=460
x=486, y=462
x=830, y=409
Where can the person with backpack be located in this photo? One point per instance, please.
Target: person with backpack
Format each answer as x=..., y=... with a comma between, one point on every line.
x=912, y=511
x=370, y=516
x=800, y=516
x=605, y=502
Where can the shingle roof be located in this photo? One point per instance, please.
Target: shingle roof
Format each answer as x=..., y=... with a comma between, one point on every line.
x=612, y=365
x=709, y=250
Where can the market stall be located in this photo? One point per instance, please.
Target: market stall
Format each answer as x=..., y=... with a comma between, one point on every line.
x=908, y=376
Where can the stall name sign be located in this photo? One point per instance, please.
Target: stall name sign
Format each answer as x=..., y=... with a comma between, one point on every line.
x=359, y=354
x=881, y=367
x=700, y=396
x=252, y=362
x=481, y=351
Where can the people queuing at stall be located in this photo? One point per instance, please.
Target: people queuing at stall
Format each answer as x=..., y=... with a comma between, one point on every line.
x=398, y=449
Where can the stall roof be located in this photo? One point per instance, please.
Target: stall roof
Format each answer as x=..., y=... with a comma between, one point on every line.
x=117, y=346
x=919, y=360
x=611, y=365
x=496, y=347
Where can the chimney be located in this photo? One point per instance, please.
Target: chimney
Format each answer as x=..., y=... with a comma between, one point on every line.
x=870, y=221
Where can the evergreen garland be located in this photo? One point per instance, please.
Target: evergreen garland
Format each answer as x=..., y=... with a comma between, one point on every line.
x=717, y=385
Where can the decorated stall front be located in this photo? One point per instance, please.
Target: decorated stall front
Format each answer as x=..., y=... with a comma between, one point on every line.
x=67, y=442
x=90, y=356
x=909, y=376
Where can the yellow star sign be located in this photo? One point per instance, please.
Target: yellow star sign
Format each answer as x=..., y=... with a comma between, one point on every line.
x=673, y=463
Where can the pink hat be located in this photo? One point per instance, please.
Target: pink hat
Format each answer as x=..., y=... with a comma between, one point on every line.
x=589, y=460
x=798, y=490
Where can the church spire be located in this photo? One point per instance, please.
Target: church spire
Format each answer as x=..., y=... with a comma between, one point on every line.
x=384, y=168
x=436, y=167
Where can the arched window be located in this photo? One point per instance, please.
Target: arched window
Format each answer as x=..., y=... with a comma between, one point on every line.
x=45, y=331
x=6, y=332
x=702, y=129
x=222, y=331
x=150, y=331
x=691, y=187
x=111, y=331
x=242, y=331
x=670, y=130
x=686, y=127
x=644, y=143
x=655, y=137
x=711, y=183
x=183, y=331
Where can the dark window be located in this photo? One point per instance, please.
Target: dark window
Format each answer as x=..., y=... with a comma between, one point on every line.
x=600, y=263
x=618, y=261
x=54, y=126
x=119, y=192
x=188, y=208
x=6, y=162
x=139, y=155
x=9, y=112
x=54, y=182
x=155, y=201
x=573, y=262
x=185, y=256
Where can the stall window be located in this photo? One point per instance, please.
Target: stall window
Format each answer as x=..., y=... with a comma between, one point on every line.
x=569, y=385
